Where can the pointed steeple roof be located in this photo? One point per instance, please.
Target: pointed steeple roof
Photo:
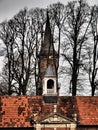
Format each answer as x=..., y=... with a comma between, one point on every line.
x=47, y=45
x=49, y=71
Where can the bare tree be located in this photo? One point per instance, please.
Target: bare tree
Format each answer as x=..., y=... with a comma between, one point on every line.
x=91, y=65
x=76, y=30
x=20, y=40
x=7, y=35
x=25, y=46
x=58, y=15
x=38, y=19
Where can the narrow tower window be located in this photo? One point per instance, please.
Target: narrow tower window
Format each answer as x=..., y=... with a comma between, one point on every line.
x=50, y=84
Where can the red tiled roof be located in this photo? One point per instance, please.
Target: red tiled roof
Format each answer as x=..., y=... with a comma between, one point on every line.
x=18, y=111
x=87, y=110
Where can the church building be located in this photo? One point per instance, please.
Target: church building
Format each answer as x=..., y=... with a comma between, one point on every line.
x=47, y=110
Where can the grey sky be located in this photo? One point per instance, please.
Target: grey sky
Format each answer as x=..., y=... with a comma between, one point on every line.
x=8, y=8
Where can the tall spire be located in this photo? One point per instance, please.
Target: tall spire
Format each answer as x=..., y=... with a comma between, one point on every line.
x=47, y=45
x=47, y=57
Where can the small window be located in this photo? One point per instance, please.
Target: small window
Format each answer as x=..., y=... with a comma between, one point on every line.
x=50, y=84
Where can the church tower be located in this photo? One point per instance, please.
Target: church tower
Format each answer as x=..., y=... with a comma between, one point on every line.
x=48, y=61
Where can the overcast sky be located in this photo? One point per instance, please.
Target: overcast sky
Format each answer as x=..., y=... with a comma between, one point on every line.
x=8, y=8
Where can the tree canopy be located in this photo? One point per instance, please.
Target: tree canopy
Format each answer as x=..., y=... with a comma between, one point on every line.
x=75, y=34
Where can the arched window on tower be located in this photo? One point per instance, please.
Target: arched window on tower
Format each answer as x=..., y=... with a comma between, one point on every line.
x=50, y=84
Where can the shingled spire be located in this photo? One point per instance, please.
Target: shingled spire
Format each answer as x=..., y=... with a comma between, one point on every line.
x=47, y=56
x=47, y=47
